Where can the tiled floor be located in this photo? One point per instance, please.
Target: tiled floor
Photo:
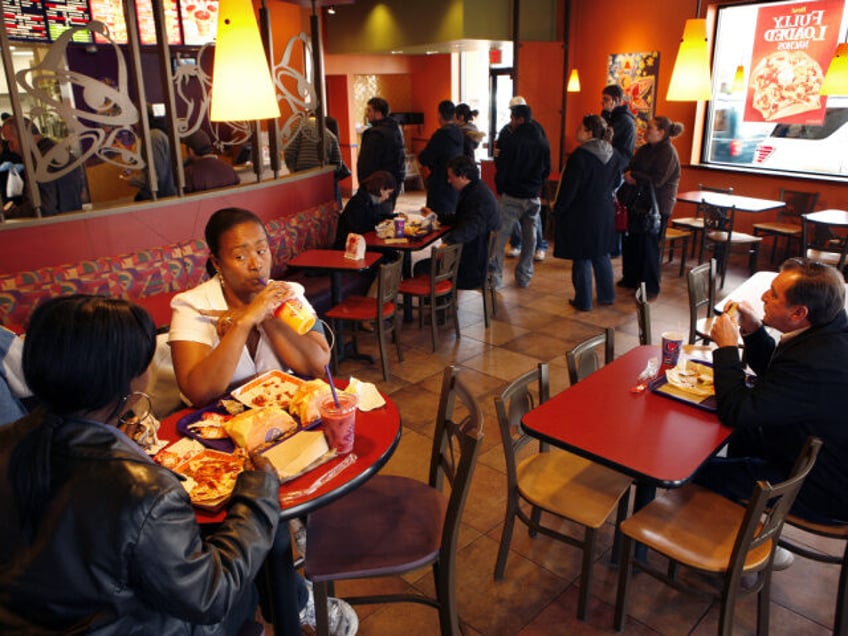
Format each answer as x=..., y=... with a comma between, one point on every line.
x=539, y=592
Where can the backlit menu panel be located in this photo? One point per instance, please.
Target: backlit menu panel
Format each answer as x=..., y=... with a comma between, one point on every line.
x=200, y=21
x=66, y=14
x=25, y=20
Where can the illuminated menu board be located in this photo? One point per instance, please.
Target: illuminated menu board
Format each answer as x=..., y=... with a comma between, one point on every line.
x=66, y=14
x=200, y=21
x=25, y=20
x=46, y=20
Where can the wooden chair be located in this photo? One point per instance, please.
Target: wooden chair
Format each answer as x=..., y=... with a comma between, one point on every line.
x=383, y=314
x=643, y=315
x=436, y=291
x=699, y=529
x=392, y=525
x=700, y=283
x=788, y=222
x=831, y=531
x=695, y=224
x=489, y=288
x=553, y=481
x=671, y=237
x=822, y=244
x=720, y=236
x=583, y=359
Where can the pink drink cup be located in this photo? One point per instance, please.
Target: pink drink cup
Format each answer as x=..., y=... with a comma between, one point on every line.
x=339, y=421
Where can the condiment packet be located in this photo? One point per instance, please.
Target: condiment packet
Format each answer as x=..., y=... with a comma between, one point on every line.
x=650, y=371
x=369, y=396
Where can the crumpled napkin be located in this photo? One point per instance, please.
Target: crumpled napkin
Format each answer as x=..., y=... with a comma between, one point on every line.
x=369, y=396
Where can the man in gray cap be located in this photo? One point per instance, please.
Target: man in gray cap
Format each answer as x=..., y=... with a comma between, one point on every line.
x=203, y=170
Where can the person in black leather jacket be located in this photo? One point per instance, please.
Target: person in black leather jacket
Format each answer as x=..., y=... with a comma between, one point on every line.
x=95, y=537
x=382, y=146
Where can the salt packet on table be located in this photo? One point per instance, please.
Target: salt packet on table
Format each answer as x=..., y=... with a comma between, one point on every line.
x=355, y=247
x=369, y=396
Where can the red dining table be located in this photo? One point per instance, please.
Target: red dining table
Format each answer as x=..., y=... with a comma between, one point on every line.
x=657, y=440
x=334, y=262
x=377, y=436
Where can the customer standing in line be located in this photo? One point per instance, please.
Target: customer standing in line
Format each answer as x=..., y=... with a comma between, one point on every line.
x=584, y=212
x=382, y=147
x=445, y=144
x=657, y=163
x=618, y=116
x=522, y=166
x=472, y=136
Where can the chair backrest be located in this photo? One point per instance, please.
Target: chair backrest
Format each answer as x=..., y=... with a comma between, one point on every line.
x=821, y=243
x=701, y=284
x=767, y=511
x=388, y=283
x=456, y=445
x=718, y=218
x=797, y=203
x=584, y=360
x=709, y=188
x=643, y=314
x=512, y=404
x=444, y=263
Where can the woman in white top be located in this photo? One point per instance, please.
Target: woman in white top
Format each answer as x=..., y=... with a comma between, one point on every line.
x=223, y=331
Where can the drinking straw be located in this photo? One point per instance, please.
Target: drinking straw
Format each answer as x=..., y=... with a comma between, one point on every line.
x=332, y=386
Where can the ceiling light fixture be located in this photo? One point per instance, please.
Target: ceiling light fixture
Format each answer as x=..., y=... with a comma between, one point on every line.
x=331, y=9
x=573, y=85
x=240, y=62
x=690, y=78
x=738, y=85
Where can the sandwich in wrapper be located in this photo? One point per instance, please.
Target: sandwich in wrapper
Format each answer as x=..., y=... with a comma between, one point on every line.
x=255, y=427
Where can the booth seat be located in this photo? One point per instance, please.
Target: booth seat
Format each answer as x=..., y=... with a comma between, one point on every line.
x=152, y=276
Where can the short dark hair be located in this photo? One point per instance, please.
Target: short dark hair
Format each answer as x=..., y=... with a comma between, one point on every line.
x=380, y=105
x=13, y=121
x=817, y=286
x=522, y=111
x=222, y=221
x=464, y=111
x=81, y=352
x=380, y=180
x=614, y=91
x=447, y=109
x=464, y=166
x=199, y=142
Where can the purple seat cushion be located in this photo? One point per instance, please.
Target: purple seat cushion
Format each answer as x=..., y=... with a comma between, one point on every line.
x=389, y=525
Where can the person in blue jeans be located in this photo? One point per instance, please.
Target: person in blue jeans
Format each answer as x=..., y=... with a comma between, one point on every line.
x=522, y=165
x=514, y=244
x=584, y=212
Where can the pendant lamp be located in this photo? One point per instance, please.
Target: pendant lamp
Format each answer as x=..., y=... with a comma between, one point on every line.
x=836, y=79
x=242, y=88
x=573, y=85
x=738, y=85
x=690, y=79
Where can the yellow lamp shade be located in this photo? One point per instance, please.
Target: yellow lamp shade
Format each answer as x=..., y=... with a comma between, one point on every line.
x=690, y=79
x=573, y=85
x=738, y=85
x=242, y=88
x=836, y=80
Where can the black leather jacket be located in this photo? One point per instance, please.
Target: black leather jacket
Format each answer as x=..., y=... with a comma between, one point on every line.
x=118, y=549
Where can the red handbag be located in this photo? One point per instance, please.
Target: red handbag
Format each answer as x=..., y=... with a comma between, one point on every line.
x=620, y=215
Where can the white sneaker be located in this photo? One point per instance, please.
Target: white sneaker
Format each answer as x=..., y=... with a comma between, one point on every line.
x=341, y=617
x=783, y=558
x=513, y=252
x=539, y=255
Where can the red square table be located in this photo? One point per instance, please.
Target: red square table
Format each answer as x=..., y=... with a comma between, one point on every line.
x=656, y=440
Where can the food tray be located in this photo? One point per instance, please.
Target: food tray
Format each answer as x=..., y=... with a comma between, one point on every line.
x=225, y=445
x=273, y=388
x=661, y=386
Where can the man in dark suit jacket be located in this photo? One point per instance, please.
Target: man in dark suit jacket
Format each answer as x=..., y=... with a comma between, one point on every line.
x=801, y=389
x=477, y=214
x=445, y=144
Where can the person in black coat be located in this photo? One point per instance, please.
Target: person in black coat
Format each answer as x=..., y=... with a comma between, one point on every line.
x=585, y=230
x=366, y=208
x=655, y=163
x=445, y=144
x=799, y=391
x=617, y=115
x=382, y=146
x=477, y=215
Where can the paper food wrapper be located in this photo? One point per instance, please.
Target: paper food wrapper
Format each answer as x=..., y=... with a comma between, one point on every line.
x=355, y=247
x=256, y=427
x=298, y=454
x=369, y=396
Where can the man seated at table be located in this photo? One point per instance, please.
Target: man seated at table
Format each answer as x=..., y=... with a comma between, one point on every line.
x=477, y=214
x=801, y=389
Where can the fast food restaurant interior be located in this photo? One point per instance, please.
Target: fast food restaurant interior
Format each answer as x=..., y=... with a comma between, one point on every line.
x=330, y=58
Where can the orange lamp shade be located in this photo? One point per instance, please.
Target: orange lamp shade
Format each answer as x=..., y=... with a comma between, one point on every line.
x=690, y=79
